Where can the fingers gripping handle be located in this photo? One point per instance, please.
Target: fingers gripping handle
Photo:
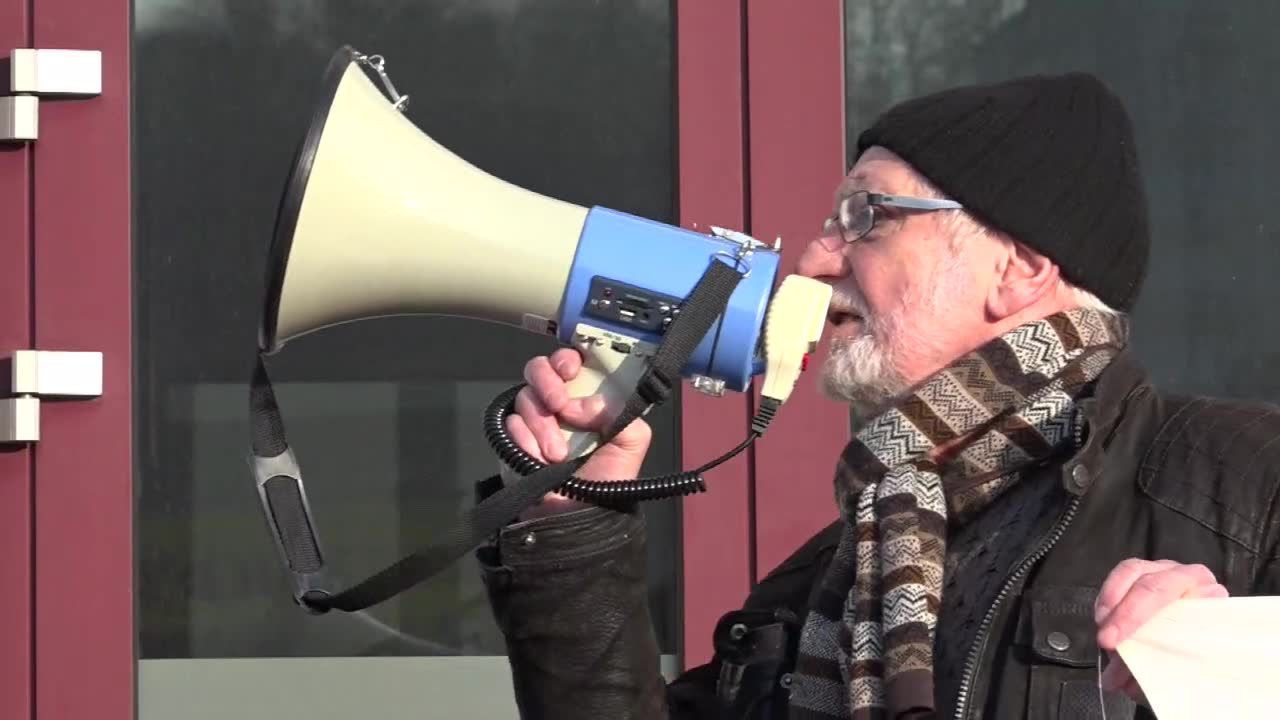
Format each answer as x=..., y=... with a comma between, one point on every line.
x=612, y=364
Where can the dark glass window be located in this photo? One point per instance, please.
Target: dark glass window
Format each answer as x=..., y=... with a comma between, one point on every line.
x=570, y=99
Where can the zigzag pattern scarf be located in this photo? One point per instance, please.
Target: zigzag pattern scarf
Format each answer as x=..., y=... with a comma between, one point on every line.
x=867, y=646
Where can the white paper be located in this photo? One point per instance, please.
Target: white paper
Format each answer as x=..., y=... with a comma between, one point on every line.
x=1209, y=658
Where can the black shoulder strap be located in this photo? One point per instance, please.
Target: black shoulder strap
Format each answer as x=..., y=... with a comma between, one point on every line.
x=288, y=513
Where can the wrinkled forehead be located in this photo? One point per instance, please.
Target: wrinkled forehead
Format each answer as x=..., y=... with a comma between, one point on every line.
x=879, y=170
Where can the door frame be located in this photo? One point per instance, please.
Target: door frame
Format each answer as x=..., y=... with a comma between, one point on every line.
x=711, y=179
x=761, y=148
x=16, y=479
x=795, y=59
x=82, y=625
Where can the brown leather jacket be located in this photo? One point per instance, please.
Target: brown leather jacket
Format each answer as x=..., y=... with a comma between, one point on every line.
x=1188, y=479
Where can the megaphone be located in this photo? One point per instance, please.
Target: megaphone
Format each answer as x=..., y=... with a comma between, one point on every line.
x=378, y=219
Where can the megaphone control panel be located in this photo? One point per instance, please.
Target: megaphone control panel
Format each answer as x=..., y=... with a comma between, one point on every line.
x=631, y=306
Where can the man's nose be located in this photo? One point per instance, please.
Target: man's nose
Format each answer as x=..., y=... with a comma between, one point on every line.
x=818, y=261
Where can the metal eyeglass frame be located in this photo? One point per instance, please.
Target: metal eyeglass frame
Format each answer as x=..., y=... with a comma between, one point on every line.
x=840, y=224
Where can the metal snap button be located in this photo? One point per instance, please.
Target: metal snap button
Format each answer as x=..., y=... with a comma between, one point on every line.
x=1059, y=641
x=1080, y=477
x=528, y=539
x=737, y=631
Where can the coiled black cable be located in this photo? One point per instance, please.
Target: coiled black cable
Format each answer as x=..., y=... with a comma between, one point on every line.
x=613, y=494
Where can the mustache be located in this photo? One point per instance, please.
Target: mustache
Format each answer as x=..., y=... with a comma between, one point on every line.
x=844, y=299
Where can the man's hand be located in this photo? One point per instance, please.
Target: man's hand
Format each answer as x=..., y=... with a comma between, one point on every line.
x=545, y=403
x=1134, y=592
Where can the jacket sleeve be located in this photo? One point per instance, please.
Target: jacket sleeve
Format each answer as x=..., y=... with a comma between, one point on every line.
x=569, y=594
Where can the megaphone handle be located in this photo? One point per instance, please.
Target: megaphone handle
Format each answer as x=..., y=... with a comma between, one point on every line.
x=610, y=368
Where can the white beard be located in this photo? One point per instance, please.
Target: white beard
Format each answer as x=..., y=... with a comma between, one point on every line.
x=860, y=372
x=863, y=370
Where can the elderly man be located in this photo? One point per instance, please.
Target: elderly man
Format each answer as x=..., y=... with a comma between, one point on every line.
x=1017, y=499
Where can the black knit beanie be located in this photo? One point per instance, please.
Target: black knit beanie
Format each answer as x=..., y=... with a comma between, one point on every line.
x=1049, y=160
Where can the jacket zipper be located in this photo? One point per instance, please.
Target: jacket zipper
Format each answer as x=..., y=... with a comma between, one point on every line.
x=980, y=643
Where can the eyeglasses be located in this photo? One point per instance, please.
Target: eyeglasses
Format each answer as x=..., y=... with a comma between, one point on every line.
x=858, y=213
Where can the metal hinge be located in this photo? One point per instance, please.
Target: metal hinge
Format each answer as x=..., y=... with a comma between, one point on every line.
x=42, y=374
x=36, y=74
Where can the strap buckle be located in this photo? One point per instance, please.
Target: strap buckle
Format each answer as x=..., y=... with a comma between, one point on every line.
x=654, y=387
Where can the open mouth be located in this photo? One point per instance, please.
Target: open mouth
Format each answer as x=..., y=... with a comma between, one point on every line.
x=840, y=318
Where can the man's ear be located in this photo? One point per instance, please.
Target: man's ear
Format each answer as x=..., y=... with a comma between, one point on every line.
x=1026, y=277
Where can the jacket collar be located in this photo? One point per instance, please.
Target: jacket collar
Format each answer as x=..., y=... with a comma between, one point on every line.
x=1102, y=411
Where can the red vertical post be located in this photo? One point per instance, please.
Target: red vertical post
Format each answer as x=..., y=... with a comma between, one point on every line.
x=795, y=74
x=712, y=171
x=15, y=462
x=84, y=627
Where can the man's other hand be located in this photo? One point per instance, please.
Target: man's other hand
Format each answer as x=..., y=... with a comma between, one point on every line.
x=1134, y=592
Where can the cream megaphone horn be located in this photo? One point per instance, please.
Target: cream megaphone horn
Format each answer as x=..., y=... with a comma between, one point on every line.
x=378, y=219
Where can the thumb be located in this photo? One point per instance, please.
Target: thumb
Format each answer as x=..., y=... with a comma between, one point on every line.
x=587, y=413
x=592, y=413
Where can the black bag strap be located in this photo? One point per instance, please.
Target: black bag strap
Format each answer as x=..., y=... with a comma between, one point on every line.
x=283, y=495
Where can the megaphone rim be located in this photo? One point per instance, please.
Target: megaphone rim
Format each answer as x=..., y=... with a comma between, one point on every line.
x=290, y=205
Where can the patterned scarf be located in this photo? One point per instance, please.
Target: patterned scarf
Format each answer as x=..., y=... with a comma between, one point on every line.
x=867, y=646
